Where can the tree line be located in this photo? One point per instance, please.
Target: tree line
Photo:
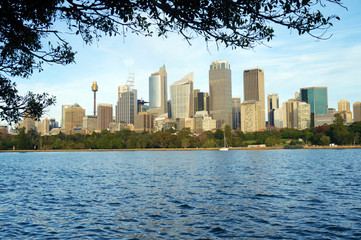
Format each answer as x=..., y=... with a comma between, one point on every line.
x=336, y=133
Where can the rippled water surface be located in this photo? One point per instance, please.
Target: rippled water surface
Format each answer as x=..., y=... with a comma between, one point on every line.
x=291, y=194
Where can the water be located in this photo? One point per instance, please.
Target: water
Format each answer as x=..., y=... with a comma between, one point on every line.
x=290, y=194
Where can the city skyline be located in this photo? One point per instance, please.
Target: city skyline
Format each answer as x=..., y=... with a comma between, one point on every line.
x=290, y=62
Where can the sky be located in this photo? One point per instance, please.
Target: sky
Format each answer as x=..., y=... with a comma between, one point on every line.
x=289, y=61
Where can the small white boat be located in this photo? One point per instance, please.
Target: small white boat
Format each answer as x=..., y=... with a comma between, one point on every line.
x=225, y=145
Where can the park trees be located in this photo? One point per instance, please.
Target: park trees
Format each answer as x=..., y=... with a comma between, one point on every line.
x=30, y=35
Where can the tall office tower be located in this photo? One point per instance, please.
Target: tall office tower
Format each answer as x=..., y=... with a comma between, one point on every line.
x=195, y=101
x=105, y=116
x=236, y=113
x=317, y=98
x=181, y=93
x=296, y=114
x=73, y=118
x=63, y=107
x=203, y=101
x=343, y=108
x=158, y=94
x=220, y=93
x=343, y=105
x=278, y=118
x=53, y=124
x=252, y=120
x=272, y=105
x=253, y=87
x=126, y=108
x=357, y=111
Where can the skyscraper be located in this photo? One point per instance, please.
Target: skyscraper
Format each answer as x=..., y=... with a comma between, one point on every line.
x=296, y=114
x=253, y=87
x=272, y=105
x=343, y=108
x=251, y=116
x=220, y=93
x=182, y=97
x=126, y=108
x=158, y=94
x=73, y=118
x=317, y=98
x=105, y=116
x=236, y=113
x=357, y=111
x=63, y=107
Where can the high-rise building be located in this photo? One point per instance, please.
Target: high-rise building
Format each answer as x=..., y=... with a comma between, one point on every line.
x=126, y=108
x=158, y=94
x=73, y=118
x=220, y=93
x=90, y=123
x=272, y=105
x=251, y=116
x=343, y=107
x=28, y=123
x=53, y=124
x=63, y=107
x=105, y=116
x=253, y=87
x=317, y=98
x=203, y=101
x=357, y=111
x=236, y=113
x=195, y=101
x=278, y=117
x=296, y=114
x=181, y=93
x=44, y=127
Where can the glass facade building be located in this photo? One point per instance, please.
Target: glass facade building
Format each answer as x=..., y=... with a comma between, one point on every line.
x=182, y=97
x=317, y=98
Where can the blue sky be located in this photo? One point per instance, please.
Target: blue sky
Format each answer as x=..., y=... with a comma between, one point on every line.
x=290, y=62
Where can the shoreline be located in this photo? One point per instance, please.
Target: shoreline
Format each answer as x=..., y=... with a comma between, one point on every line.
x=184, y=149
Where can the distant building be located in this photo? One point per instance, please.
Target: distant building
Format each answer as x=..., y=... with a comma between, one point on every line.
x=158, y=93
x=182, y=97
x=90, y=122
x=53, y=124
x=203, y=122
x=63, y=107
x=253, y=90
x=296, y=114
x=236, y=113
x=105, y=116
x=278, y=117
x=357, y=111
x=251, y=116
x=272, y=105
x=220, y=93
x=73, y=116
x=343, y=107
x=159, y=122
x=28, y=123
x=323, y=119
x=126, y=107
x=195, y=101
x=185, y=123
x=143, y=122
x=317, y=98
x=44, y=127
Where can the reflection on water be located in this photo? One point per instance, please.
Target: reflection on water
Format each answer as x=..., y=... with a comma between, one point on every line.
x=292, y=194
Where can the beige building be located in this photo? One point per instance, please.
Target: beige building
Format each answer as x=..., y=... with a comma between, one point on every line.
x=73, y=116
x=90, y=123
x=220, y=93
x=357, y=111
x=158, y=93
x=27, y=123
x=203, y=122
x=252, y=119
x=143, y=122
x=343, y=108
x=105, y=116
x=182, y=100
x=253, y=87
x=296, y=114
x=44, y=127
x=185, y=123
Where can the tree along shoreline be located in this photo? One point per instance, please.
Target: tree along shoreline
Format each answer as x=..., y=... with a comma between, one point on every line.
x=186, y=149
x=336, y=135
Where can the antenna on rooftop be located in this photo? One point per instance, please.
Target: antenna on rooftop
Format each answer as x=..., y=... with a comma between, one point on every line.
x=130, y=81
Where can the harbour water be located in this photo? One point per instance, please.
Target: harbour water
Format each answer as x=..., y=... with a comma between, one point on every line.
x=271, y=194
